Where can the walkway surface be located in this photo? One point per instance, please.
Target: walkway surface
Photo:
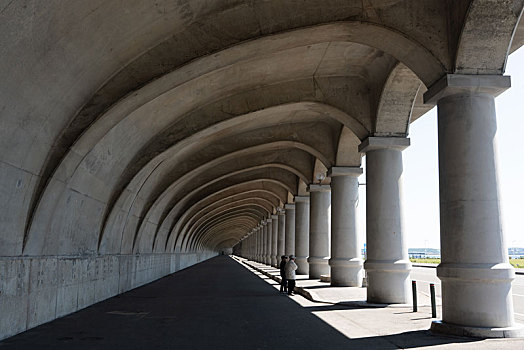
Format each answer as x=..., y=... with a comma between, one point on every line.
x=224, y=304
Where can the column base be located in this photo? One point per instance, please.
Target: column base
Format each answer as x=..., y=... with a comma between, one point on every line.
x=274, y=261
x=477, y=295
x=388, y=281
x=318, y=266
x=303, y=266
x=346, y=272
x=516, y=331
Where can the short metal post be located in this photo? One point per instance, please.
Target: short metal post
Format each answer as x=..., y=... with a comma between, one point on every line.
x=414, y=288
x=433, y=303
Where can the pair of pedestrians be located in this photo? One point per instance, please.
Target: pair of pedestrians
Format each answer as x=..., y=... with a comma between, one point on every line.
x=287, y=274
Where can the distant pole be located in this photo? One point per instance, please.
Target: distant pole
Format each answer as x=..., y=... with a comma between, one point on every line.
x=433, y=302
x=414, y=289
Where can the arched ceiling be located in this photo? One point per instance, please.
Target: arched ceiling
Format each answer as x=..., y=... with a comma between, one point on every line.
x=161, y=126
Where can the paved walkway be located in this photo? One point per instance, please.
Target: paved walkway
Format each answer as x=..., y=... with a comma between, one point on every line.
x=322, y=292
x=224, y=304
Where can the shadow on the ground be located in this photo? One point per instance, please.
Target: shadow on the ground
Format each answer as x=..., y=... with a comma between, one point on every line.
x=337, y=306
x=316, y=287
x=406, y=340
x=217, y=304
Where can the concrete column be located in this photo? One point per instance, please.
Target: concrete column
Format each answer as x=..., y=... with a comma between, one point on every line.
x=247, y=242
x=253, y=245
x=290, y=229
x=256, y=238
x=475, y=273
x=264, y=241
x=346, y=261
x=387, y=263
x=302, y=234
x=319, y=230
x=269, y=242
x=259, y=243
x=281, y=234
x=274, y=253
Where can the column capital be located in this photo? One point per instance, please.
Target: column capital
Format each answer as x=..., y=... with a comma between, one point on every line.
x=268, y=221
x=301, y=199
x=263, y=223
x=319, y=188
x=377, y=143
x=289, y=206
x=453, y=84
x=353, y=171
x=274, y=217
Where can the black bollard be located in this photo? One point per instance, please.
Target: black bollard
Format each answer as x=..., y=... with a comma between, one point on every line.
x=433, y=303
x=414, y=288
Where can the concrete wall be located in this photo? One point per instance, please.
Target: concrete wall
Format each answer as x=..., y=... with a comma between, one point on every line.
x=35, y=290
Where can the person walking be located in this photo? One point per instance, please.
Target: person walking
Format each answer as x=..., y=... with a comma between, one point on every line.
x=283, y=282
x=290, y=268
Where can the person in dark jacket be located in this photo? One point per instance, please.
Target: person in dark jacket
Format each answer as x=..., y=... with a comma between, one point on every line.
x=283, y=282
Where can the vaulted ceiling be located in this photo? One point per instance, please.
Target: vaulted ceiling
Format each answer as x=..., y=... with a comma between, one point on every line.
x=140, y=126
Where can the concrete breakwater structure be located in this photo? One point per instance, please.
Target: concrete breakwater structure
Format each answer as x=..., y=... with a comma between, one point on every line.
x=138, y=138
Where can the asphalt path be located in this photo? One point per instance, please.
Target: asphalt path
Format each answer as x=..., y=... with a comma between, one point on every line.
x=220, y=304
x=217, y=304
x=426, y=275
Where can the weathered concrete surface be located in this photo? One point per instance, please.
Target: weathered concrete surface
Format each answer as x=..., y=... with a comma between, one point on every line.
x=475, y=266
x=37, y=290
x=346, y=265
x=319, y=230
x=387, y=264
x=201, y=307
x=290, y=229
x=302, y=233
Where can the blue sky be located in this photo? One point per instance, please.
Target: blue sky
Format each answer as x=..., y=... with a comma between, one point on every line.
x=421, y=210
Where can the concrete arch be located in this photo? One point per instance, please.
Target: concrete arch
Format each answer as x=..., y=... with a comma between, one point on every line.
x=142, y=226
x=287, y=179
x=171, y=225
x=347, y=149
x=215, y=224
x=217, y=232
x=380, y=37
x=190, y=227
x=320, y=169
x=175, y=235
x=232, y=231
x=188, y=182
x=98, y=169
x=479, y=52
x=396, y=102
x=249, y=202
x=156, y=230
x=197, y=211
x=109, y=157
x=169, y=161
x=166, y=200
x=80, y=147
